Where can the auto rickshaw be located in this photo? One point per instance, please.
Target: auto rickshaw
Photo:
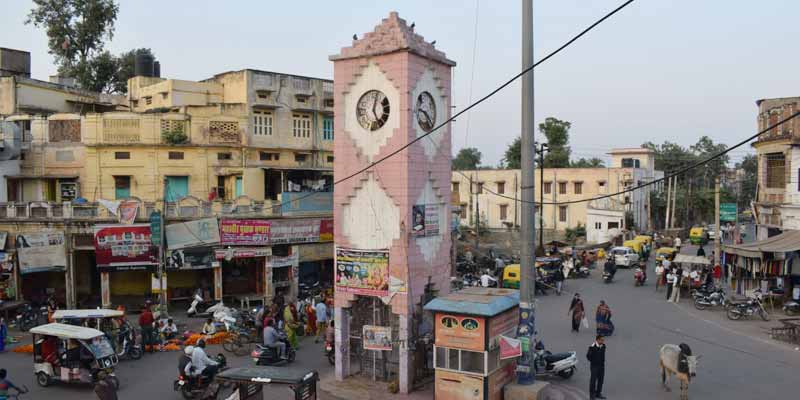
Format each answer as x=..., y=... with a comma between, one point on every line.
x=248, y=382
x=663, y=253
x=635, y=245
x=698, y=235
x=69, y=353
x=644, y=239
x=87, y=318
x=122, y=334
x=510, y=277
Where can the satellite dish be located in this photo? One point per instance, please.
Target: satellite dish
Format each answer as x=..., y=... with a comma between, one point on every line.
x=10, y=141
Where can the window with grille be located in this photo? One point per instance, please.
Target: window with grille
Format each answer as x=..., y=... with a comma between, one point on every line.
x=121, y=130
x=578, y=187
x=148, y=100
x=301, y=125
x=173, y=126
x=503, y=212
x=562, y=213
x=267, y=156
x=562, y=187
x=175, y=155
x=223, y=131
x=501, y=187
x=122, y=155
x=224, y=156
x=548, y=187
x=301, y=84
x=463, y=211
x=776, y=170
x=300, y=157
x=327, y=128
x=330, y=159
x=262, y=123
x=456, y=187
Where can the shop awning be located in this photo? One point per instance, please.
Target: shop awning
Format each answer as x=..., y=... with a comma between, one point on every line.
x=785, y=242
x=687, y=259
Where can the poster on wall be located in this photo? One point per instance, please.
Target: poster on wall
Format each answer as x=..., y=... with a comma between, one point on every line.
x=192, y=233
x=195, y=258
x=124, y=247
x=377, y=337
x=127, y=211
x=244, y=232
x=426, y=220
x=364, y=272
x=38, y=252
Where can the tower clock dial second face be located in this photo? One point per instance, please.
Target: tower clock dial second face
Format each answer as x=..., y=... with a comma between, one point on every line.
x=426, y=111
x=372, y=110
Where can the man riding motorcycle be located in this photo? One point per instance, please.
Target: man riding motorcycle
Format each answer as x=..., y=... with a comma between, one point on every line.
x=610, y=267
x=201, y=362
x=273, y=340
x=184, y=360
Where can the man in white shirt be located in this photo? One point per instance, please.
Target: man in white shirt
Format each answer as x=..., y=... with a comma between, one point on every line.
x=678, y=244
x=486, y=279
x=201, y=362
x=659, y=275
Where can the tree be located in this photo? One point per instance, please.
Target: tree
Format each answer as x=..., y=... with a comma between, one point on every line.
x=513, y=156
x=467, y=158
x=125, y=68
x=749, y=180
x=557, y=133
x=76, y=34
x=593, y=162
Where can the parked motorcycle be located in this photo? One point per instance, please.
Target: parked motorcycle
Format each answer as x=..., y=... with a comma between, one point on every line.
x=791, y=308
x=29, y=317
x=265, y=355
x=126, y=343
x=639, y=277
x=548, y=364
x=749, y=308
x=703, y=291
x=199, y=307
x=192, y=387
x=713, y=299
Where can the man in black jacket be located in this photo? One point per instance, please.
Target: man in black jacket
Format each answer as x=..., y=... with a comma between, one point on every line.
x=597, y=362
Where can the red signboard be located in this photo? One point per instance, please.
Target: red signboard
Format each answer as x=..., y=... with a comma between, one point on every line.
x=124, y=246
x=244, y=232
x=326, y=230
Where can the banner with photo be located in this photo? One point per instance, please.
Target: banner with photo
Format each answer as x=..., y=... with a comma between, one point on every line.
x=38, y=252
x=194, y=258
x=201, y=232
x=364, y=272
x=124, y=247
x=426, y=220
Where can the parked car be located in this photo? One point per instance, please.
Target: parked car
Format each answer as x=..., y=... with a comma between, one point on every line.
x=624, y=256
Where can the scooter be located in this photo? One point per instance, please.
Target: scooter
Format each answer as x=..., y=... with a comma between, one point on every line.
x=608, y=277
x=791, y=308
x=548, y=364
x=198, y=307
x=582, y=272
x=639, y=277
x=265, y=355
x=195, y=386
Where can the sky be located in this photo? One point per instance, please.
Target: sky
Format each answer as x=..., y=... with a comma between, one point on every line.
x=659, y=70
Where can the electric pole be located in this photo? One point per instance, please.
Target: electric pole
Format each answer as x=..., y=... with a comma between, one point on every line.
x=525, y=375
x=716, y=221
x=541, y=150
x=669, y=202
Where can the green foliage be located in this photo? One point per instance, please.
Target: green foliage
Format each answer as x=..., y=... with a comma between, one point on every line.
x=557, y=133
x=747, y=194
x=513, y=156
x=125, y=68
x=468, y=158
x=588, y=163
x=572, y=234
x=176, y=137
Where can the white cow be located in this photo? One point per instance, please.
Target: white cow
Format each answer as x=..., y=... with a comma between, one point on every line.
x=677, y=360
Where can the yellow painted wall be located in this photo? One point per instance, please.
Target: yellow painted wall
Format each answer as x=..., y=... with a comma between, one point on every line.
x=129, y=283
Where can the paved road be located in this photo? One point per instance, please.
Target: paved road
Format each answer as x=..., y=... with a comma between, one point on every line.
x=739, y=361
x=149, y=378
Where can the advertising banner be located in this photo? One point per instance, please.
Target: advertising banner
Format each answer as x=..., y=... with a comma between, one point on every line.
x=124, y=247
x=463, y=332
x=242, y=252
x=510, y=347
x=364, y=272
x=283, y=231
x=377, y=337
x=195, y=258
x=45, y=251
x=426, y=220
x=326, y=230
x=127, y=211
x=252, y=232
x=192, y=233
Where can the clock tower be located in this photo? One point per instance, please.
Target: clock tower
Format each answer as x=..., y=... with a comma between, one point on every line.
x=392, y=220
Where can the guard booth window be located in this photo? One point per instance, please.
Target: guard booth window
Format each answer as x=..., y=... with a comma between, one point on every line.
x=776, y=170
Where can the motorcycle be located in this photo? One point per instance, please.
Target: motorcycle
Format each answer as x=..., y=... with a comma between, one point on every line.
x=28, y=318
x=713, y=299
x=265, y=355
x=703, y=291
x=329, y=352
x=749, y=308
x=192, y=387
x=582, y=272
x=639, y=277
x=548, y=364
x=126, y=343
x=608, y=277
x=199, y=307
x=791, y=308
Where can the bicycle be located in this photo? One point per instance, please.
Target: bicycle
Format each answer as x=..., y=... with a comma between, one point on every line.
x=238, y=342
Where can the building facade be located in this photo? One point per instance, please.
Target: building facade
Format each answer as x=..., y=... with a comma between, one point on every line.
x=240, y=167
x=500, y=210
x=777, y=205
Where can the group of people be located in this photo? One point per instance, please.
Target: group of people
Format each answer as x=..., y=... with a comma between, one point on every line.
x=155, y=333
x=282, y=317
x=596, y=354
x=673, y=276
x=602, y=317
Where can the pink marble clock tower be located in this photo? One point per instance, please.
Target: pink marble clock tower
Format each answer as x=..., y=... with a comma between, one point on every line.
x=392, y=221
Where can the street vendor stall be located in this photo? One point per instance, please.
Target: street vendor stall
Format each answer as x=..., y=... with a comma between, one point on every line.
x=691, y=264
x=767, y=265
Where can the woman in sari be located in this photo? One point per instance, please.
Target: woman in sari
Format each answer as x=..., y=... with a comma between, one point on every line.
x=576, y=308
x=603, y=320
x=290, y=325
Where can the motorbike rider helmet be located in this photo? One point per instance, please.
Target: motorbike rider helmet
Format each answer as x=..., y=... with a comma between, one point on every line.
x=188, y=350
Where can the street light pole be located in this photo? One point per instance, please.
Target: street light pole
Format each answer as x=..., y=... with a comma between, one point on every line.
x=525, y=372
x=541, y=150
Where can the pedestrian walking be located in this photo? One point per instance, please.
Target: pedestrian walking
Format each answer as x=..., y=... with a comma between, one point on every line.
x=677, y=243
x=602, y=318
x=322, y=319
x=577, y=311
x=677, y=276
x=597, y=367
x=146, y=321
x=701, y=252
x=558, y=277
x=669, y=276
x=659, y=275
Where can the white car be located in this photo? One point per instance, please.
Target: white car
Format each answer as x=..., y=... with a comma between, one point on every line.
x=624, y=256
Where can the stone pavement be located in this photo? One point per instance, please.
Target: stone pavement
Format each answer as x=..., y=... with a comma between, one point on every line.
x=361, y=387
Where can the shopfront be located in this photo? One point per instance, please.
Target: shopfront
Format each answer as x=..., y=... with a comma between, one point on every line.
x=316, y=264
x=190, y=260
x=244, y=258
x=126, y=261
x=42, y=260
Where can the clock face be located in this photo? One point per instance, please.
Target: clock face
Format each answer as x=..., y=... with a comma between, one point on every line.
x=426, y=111
x=372, y=110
